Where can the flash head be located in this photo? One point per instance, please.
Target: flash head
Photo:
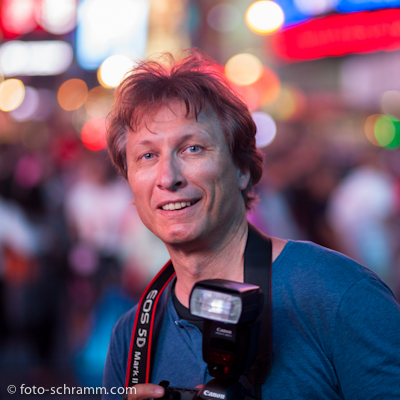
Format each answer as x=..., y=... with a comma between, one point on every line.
x=226, y=301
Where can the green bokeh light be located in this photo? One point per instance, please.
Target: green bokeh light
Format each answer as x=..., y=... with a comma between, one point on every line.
x=387, y=132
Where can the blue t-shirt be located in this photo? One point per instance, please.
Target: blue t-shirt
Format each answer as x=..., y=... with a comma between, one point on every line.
x=335, y=334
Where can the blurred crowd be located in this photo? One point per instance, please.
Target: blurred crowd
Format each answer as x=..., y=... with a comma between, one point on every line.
x=74, y=255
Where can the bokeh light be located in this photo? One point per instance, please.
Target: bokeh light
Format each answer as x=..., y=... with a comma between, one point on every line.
x=99, y=102
x=79, y=118
x=313, y=7
x=369, y=129
x=268, y=86
x=57, y=16
x=264, y=17
x=113, y=27
x=113, y=69
x=387, y=131
x=72, y=94
x=224, y=18
x=266, y=128
x=28, y=171
x=289, y=105
x=390, y=103
x=262, y=92
x=18, y=16
x=93, y=134
x=28, y=107
x=243, y=69
x=45, y=57
x=12, y=93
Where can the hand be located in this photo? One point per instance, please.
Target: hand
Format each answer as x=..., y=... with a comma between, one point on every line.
x=146, y=391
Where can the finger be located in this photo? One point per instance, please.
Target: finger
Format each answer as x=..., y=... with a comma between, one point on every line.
x=146, y=391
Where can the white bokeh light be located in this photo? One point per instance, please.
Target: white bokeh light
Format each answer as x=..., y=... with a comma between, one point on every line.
x=113, y=70
x=313, y=7
x=46, y=57
x=266, y=128
x=27, y=109
x=57, y=16
x=264, y=17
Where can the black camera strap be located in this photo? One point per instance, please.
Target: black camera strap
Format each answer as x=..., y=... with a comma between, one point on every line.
x=257, y=271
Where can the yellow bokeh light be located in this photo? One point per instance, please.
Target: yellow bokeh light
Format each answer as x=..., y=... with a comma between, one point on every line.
x=113, y=70
x=264, y=17
x=72, y=94
x=243, y=69
x=12, y=94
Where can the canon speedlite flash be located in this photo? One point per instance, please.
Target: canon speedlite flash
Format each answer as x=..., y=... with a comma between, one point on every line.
x=230, y=340
x=228, y=309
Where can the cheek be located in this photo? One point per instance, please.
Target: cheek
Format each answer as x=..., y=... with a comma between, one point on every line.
x=222, y=179
x=140, y=189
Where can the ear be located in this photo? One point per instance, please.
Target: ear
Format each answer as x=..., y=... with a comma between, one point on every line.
x=244, y=178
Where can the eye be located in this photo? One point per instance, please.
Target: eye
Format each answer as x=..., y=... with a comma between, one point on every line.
x=193, y=149
x=147, y=156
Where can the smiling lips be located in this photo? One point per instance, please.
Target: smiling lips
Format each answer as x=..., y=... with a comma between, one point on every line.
x=177, y=206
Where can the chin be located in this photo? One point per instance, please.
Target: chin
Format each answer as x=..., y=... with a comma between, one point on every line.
x=179, y=235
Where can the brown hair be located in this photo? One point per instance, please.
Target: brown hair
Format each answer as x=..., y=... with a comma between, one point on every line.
x=195, y=81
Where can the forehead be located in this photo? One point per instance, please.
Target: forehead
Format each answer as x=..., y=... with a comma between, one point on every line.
x=174, y=114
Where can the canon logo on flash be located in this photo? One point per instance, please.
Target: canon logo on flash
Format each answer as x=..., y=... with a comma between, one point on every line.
x=227, y=331
x=213, y=394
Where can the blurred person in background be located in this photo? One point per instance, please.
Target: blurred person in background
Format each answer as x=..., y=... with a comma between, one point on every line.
x=186, y=144
x=30, y=281
x=360, y=210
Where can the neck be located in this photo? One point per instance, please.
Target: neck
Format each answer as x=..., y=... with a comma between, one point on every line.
x=221, y=260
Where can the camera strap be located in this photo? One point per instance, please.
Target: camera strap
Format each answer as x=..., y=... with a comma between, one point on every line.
x=138, y=370
x=257, y=271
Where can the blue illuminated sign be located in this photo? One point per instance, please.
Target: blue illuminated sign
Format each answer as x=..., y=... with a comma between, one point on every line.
x=363, y=5
x=295, y=14
x=106, y=28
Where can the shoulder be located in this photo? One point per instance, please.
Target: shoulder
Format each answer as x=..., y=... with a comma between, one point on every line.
x=317, y=278
x=122, y=330
x=313, y=261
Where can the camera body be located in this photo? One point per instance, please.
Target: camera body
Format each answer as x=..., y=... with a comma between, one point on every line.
x=216, y=389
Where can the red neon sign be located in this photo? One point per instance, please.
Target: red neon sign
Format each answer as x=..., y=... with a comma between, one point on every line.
x=340, y=34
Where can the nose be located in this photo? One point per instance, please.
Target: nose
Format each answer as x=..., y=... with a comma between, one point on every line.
x=170, y=176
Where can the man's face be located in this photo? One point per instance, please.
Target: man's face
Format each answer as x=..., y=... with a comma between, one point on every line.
x=185, y=184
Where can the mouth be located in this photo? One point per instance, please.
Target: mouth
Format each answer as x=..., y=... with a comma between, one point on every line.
x=179, y=205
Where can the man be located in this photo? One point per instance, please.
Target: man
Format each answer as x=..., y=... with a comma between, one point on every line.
x=186, y=144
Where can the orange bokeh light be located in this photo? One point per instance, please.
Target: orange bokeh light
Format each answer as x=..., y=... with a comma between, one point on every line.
x=72, y=94
x=262, y=92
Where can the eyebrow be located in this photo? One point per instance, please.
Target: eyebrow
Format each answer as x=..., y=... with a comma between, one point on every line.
x=187, y=136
